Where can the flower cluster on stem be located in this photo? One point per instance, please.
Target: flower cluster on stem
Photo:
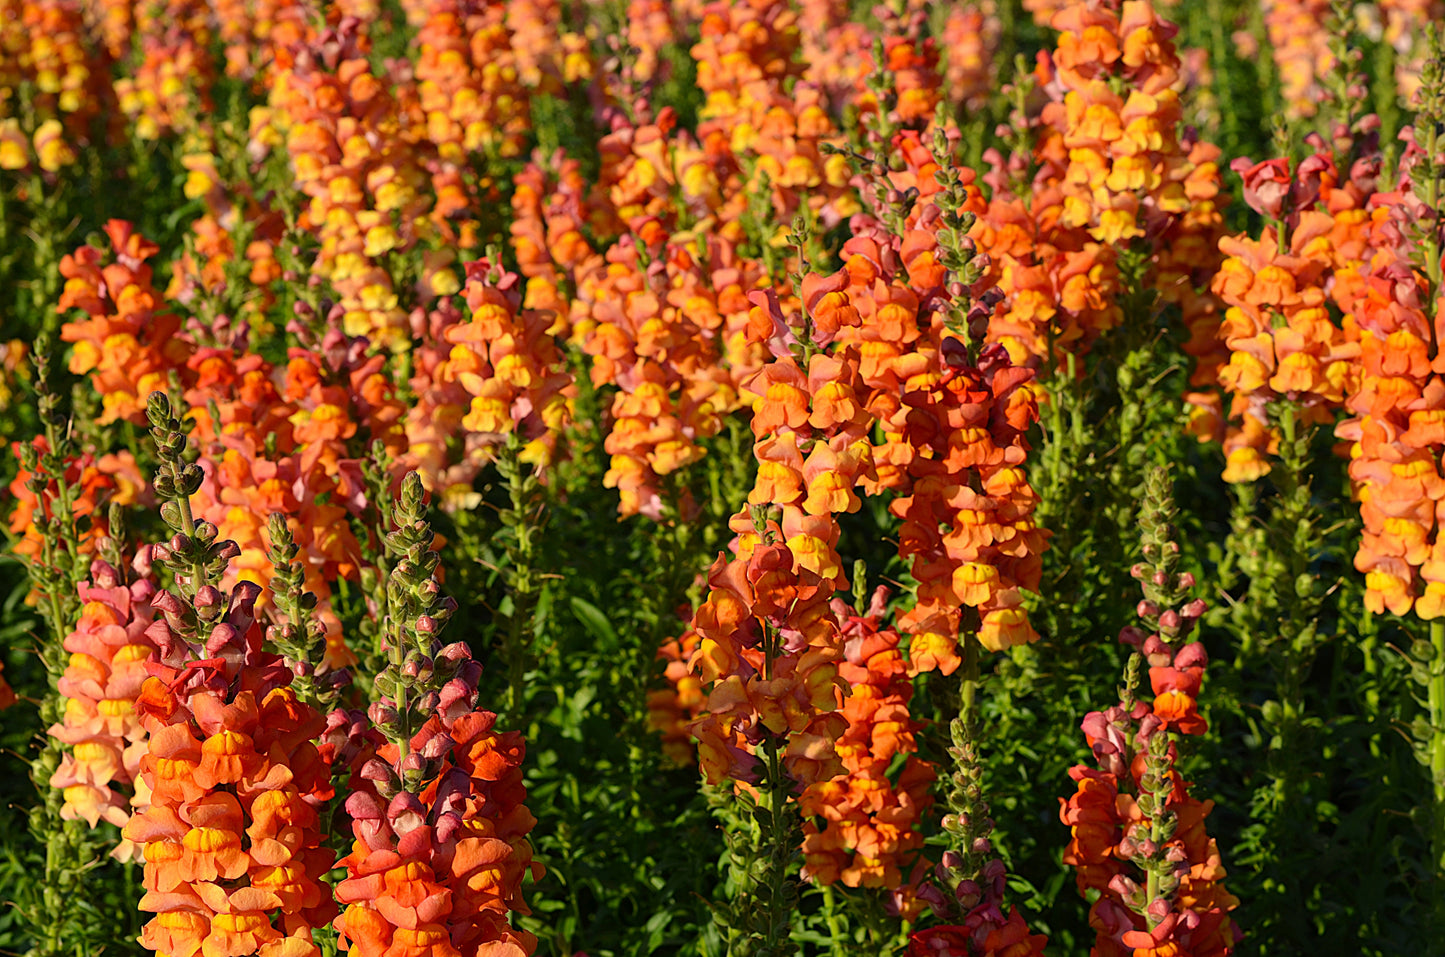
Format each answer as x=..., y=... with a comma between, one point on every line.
x=234, y=851
x=1138, y=837
x=440, y=826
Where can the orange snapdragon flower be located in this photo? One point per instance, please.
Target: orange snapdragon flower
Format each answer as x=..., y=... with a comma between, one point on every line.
x=232, y=838
x=1113, y=165
x=1397, y=402
x=94, y=482
x=1282, y=341
x=438, y=871
x=45, y=60
x=170, y=89
x=1301, y=51
x=509, y=366
x=870, y=828
x=670, y=709
x=1405, y=21
x=109, y=649
x=952, y=430
x=1119, y=809
x=127, y=345
x=785, y=565
x=970, y=41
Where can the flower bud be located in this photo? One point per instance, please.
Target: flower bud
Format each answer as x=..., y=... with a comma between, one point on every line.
x=968, y=894
x=1131, y=636
x=382, y=713
x=1122, y=885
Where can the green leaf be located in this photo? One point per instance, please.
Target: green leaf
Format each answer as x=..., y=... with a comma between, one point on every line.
x=594, y=620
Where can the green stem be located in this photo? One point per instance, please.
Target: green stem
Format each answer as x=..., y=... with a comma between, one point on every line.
x=403, y=711
x=1151, y=884
x=1436, y=701
x=835, y=923
x=188, y=522
x=519, y=576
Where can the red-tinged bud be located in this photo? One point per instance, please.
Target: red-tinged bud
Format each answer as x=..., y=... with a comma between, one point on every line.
x=1159, y=908
x=456, y=698
x=382, y=713
x=405, y=805
x=1191, y=655
x=1186, y=580
x=224, y=636
x=1154, y=646
x=1169, y=622
x=456, y=651
x=447, y=825
x=469, y=672
x=981, y=845
x=968, y=894
x=1132, y=636
x=363, y=806
x=1160, y=578
x=1175, y=854
x=168, y=603
x=103, y=575
x=1267, y=185
x=1127, y=848
x=145, y=557
x=1149, y=725
x=1138, y=571
x=1147, y=608
x=384, y=778
x=1195, y=609
x=427, y=625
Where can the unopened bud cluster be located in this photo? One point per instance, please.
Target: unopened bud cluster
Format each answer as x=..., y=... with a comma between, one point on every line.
x=300, y=638
x=422, y=677
x=1133, y=817
x=194, y=552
